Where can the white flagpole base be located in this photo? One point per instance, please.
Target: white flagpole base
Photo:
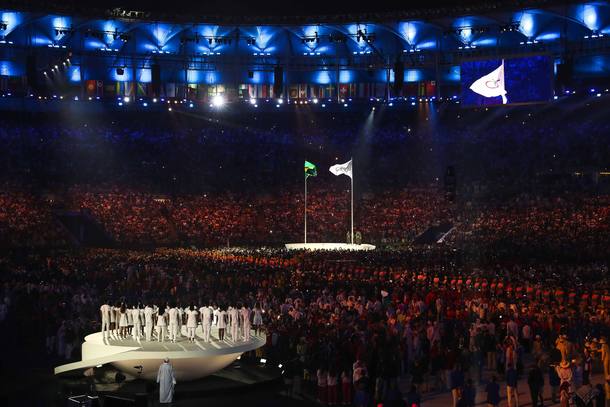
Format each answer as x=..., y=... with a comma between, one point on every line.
x=328, y=246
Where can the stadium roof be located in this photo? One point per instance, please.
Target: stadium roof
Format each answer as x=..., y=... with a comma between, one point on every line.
x=278, y=11
x=425, y=38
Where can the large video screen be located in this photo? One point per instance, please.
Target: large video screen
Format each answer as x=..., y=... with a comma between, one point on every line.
x=506, y=81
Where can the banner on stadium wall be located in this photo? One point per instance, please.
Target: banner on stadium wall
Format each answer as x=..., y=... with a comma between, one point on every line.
x=109, y=90
x=302, y=91
x=201, y=91
x=362, y=91
x=142, y=89
x=91, y=88
x=170, y=90
x=430, y=88
x=421, y=89
x=317, y=91
x=293, y=91
x=124, y=88
x=410, y=89
x=94, y=88
x=14, y=82
x=378, y=90
x=343, y=90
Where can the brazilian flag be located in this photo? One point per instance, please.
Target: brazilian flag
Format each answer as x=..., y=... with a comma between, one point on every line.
x=310, y=169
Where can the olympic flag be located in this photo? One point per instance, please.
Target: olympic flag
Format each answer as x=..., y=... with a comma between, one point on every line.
x=342, y=169
x=492, y=84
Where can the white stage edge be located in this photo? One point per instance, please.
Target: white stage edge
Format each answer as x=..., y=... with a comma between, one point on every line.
x=328, y=246
x=191, y=360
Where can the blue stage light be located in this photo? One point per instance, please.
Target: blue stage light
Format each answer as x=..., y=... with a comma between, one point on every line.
x=589, y=17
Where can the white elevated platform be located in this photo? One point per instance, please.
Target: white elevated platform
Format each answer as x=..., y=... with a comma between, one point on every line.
x=328, y=246
x=191, y=360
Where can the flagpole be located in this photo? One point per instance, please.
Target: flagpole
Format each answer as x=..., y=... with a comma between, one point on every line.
x=305, y=209
x=352, y=190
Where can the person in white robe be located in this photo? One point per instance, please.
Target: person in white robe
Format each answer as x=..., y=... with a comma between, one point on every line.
x=167, y=381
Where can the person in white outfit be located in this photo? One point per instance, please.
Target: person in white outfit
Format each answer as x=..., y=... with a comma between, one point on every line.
x=161, y=325
x=181, y=315
x=173, y=323
x=191, y=322
x=105, y=311
x=137, y=322
x=245, y=322
x=215, y=311
x=148, y=322
x=222, y=323
x=130, y=316
x=206, y=322
x=258, y=318
x=234, y=317
x=141, y=306
x=114, y=318
x=228, y=330
x=123, y=323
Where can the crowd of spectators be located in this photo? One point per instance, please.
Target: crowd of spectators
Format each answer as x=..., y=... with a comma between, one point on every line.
x=261, y=151
x=568, y=223
x=365, y=319
x=26, y=220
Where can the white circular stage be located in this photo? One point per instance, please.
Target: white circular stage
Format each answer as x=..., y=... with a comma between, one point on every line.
x=191, y=360
x=328, y=246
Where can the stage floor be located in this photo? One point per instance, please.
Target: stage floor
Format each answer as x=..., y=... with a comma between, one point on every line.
x=140, y=358
x=329, y=246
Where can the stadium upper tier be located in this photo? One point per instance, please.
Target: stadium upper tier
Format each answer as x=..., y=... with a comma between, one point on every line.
x=122, y=45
